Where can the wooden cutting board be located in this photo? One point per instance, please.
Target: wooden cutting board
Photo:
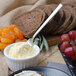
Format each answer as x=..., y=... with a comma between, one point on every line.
x=53, y=40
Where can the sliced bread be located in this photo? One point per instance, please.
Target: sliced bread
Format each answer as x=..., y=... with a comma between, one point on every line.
x=68, y=19
x=29, y=22
x=73, y=23
x=55, y=22
x=48, y=11
x=58, y=18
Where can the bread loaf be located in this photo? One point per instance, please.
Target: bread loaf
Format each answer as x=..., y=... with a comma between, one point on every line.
x=62, y=22
x=55, y=22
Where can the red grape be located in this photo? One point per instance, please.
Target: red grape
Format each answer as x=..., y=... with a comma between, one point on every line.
x=75, y=41
x=64, y=45
x=72, y=42
x=74, y=47
x=69, y=51
x=72, y=34
x=73, y=57
x=64, y=37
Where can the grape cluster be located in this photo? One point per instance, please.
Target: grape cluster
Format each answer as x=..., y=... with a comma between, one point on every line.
x=68, y=45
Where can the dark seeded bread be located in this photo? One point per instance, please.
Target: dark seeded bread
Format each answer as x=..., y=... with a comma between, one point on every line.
x=68, y=18
x=55, y=22
x=73, y=23
x=61, y=23
x=72, y=4
x=48, y=11
x=58, y=18
x=45, y=9
x=29, y=22
x=75, y=16
x=53, y=7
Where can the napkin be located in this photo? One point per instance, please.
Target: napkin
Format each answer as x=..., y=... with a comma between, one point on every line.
x=62, y=67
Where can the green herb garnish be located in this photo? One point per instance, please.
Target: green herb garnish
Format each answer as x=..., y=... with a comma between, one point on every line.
x=41, y=41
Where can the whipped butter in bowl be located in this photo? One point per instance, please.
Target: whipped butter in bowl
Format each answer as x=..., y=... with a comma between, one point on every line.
x=24, y=50
x=21, y=55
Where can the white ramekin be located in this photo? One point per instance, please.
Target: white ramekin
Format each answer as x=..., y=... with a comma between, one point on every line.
x=16, y=64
